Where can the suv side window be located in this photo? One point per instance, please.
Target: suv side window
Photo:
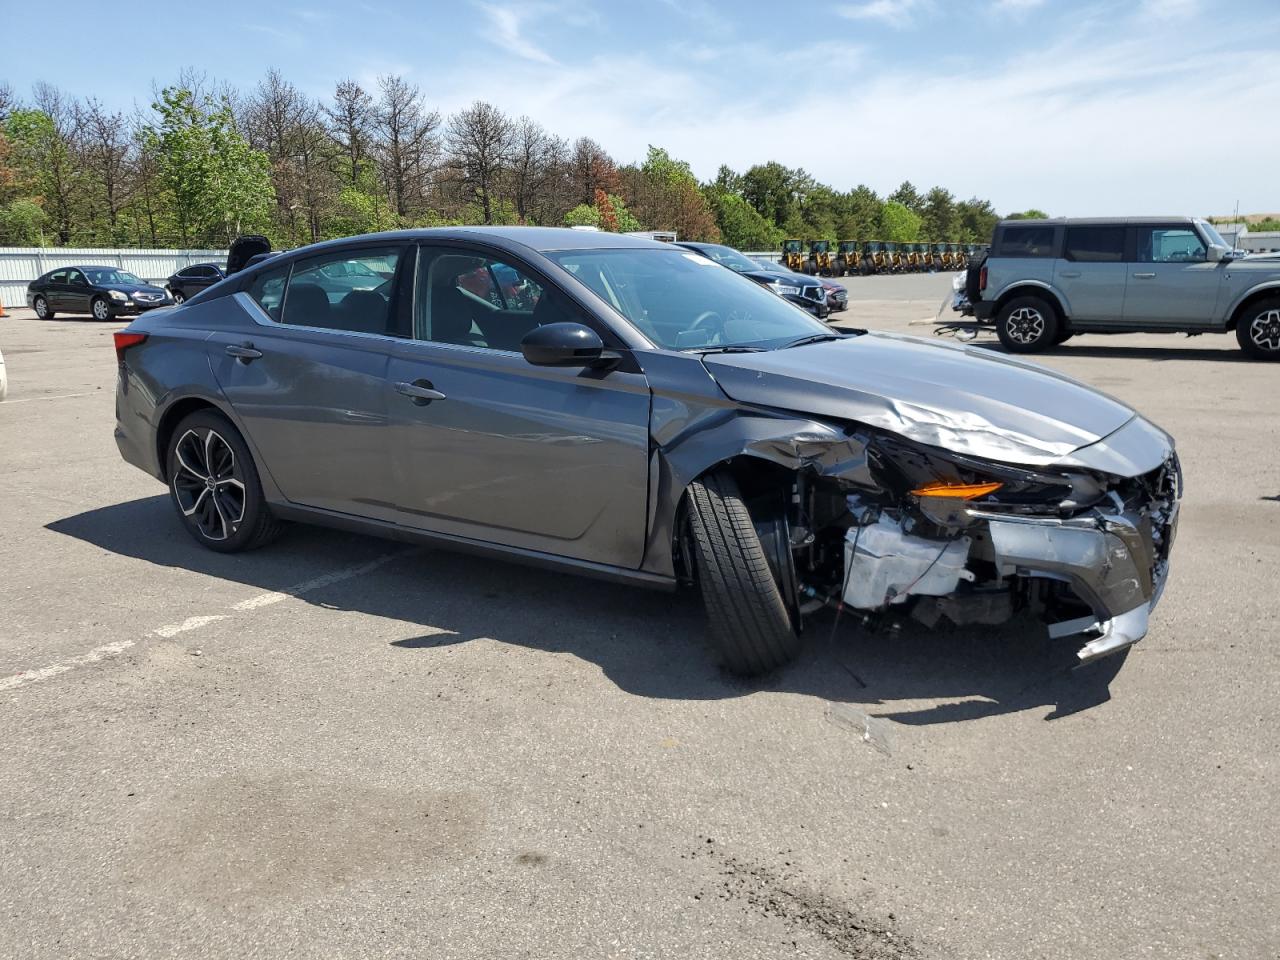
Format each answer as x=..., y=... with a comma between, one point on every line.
x=1094, y=244
x=474, y=300
x=348, y=290
x=1025, y=242
x=1169, y=245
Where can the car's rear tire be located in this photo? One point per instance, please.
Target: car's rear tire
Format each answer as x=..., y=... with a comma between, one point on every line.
x=750, y=625
x=1258, y=330
x=214, y=485
x=178, y=296
x=42, y=309
x=100, y=309
x=1026, y=325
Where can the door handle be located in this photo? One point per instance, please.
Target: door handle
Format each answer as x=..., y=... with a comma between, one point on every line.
x=1145, y=276
x=421, y=392
x=243, y=353
x=1069, y=273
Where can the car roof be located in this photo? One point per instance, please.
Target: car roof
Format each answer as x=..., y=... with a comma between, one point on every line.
x=1095, y=221
x=539, y=239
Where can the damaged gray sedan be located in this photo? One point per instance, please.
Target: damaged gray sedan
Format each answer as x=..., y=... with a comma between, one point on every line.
x=629, y=410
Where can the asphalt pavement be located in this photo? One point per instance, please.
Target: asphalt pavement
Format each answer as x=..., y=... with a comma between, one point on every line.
x=344, y=747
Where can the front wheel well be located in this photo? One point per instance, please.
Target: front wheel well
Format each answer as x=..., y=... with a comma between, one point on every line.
x=1048, y=296
x=1271, y=293
x=174, y=415
x=755, y=478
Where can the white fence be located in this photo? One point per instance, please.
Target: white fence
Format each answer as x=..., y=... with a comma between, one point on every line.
x=20, y=265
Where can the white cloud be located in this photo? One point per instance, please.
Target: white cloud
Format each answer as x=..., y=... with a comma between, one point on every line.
x=894, y=13
x=508, y=28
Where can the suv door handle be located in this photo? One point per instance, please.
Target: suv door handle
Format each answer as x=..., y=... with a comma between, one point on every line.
x=1145, y=276
x=1069, y=273
x=421, y=392
x=243, y=353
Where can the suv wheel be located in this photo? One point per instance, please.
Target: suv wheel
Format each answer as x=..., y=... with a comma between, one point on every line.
x=1258, y=331
x=1026, y=325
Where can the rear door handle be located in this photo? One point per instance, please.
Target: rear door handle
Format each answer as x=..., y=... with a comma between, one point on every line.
x=1069, y=273
x=421, y=392
x=244, y=353
x=1145, y=276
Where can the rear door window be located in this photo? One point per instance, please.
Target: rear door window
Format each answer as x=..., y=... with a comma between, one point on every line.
x=1025, y=242
x=348, y=290
x=1094, y=244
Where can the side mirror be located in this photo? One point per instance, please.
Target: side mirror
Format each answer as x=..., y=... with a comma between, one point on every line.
x=1216, y=252
x=562, y=345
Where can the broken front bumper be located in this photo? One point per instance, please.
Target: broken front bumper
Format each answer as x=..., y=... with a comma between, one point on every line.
x=1116, y=560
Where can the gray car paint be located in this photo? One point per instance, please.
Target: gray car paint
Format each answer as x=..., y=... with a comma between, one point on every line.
x=566, y=467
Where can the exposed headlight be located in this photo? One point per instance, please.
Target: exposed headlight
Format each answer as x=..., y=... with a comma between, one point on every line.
x=117, y=295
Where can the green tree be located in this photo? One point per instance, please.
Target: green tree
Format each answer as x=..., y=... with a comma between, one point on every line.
x=583, y=215
x=908, y=196
x=1031, y=214
x=775, y=190
x=899, y=223
x=977, y=220
x=861, y=216
x=22, y=224
x=740, y=223
x=44, y=161
x=665, y=195
x=939, y=218
x=218, y=186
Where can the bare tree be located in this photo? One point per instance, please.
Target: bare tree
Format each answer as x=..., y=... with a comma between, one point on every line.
x=538, y=167
x=350, y=119
x=406, y=142
x=59, y=174
x=105, y=146
x=8, y=101
x=592, y=169
x=289, y=128
x=481, y=139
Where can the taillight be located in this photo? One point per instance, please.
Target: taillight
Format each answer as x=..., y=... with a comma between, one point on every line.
x=124, y=340
x=982, y=278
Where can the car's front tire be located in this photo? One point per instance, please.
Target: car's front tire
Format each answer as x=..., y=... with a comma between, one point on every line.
x=42, y=309
x=178, y=296
x=749, y=622
x=1026, y=325
x=100, y=309
x=1258, y=331
x=214, y=485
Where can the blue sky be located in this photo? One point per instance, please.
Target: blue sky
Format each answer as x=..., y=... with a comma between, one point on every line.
x=1150, y=106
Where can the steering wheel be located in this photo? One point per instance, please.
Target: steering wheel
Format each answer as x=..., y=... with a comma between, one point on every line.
x=710, y=320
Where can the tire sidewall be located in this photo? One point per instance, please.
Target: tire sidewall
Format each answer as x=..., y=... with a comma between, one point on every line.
x=105, y=309
x=1244, y=331
x=44, y=314
x=178, y=296
x=254, y=501
x=1047, y=336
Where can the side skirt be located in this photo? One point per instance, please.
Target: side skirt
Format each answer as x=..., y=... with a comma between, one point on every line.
x=532, y=558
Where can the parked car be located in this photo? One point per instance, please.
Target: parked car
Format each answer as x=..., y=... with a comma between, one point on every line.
x=837, y=294
x=102, y=292
x=1046, y=280
x=801, y=289
x=655, y=420
x=189, y=281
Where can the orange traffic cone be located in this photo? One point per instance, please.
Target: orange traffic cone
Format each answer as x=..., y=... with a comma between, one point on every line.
x=2, y=313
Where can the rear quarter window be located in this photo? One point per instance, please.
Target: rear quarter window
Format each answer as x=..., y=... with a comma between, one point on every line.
x=1025, y=242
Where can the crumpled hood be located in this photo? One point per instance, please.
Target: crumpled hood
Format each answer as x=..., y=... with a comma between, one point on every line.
x=961, y=398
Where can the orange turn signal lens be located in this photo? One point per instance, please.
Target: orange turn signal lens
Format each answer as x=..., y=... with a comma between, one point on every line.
x=958, y=491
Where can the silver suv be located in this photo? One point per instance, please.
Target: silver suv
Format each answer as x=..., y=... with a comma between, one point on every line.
x=1046, y=280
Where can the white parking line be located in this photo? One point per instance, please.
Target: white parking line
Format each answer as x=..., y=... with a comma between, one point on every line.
x=60, y=396
x=171, y=630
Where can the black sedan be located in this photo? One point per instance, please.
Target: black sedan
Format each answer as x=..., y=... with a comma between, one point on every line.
x=189, y=281
x=806, y=292
x=102, y=292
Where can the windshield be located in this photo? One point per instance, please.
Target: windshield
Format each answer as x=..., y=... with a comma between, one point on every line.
x=682, y=301
x=727, y=257
x=104, y=276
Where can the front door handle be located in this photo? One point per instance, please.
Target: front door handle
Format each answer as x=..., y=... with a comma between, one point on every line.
x=421, y=392
x=244, y=353
x=1069, y=273
x=1145, y=276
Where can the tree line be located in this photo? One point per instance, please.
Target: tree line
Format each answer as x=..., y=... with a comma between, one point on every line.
x=205, y=163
